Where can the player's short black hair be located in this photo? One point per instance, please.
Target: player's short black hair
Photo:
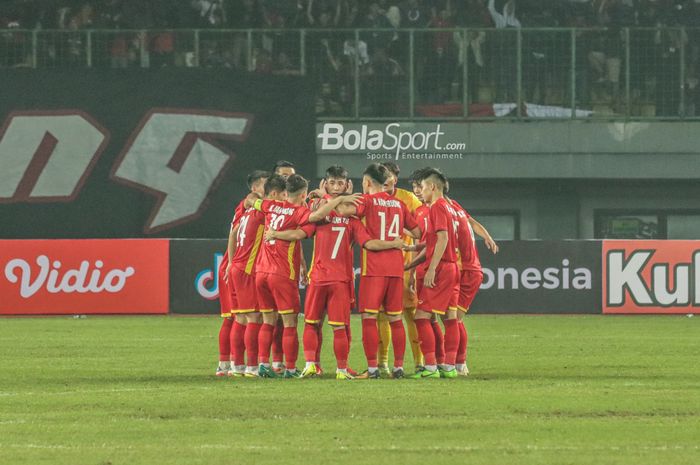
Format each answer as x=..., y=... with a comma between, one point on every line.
x=434, y=175
x=336, y=171
x=283, y=164
x=377, y=173
x=296, y=183
x=418, y=175
x=392, y=167
x=275, y=183
x=256, y=176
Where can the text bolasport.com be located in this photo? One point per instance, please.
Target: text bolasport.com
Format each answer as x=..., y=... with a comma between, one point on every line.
x=374, y=156
x=391, y=142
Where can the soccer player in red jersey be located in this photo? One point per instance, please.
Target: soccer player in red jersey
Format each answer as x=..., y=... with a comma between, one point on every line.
x=331, y=276
x=249, y=234
x=230, y=334
x=471, y=275
x=285, y=169
x=422, y=218
x=278, y=268
x=381, y=283
x=440, y=289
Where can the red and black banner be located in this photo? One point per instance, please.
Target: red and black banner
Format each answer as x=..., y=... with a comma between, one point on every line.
x=142, y=152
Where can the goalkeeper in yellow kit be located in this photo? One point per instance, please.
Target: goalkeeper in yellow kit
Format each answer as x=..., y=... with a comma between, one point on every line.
x=410, y=299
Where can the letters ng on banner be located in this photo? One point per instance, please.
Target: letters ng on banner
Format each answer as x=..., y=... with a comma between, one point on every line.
x=651, y=277
x=83, y=276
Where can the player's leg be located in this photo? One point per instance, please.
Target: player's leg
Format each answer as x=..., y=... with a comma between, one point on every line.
x=427, y=341
x=313, y=315
x=338, y=304
x=341, y=350
x=449, y=318
x=410, y=300
x=439, y=340
x=412, y=333
x=426, y=337
x=252, y=332
x=248, y=322
x=286, y=294
x=384, y=329
x=371, y=297
x=470, y=282
x=277, y=349
x=225, y=305
x=440, y=299
x=269, y=316
x=461, y=361
x=225, y=347
x=393, y=305
x=238, y=345
x=319, y=334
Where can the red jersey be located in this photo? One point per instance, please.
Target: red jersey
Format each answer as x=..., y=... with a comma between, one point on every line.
x=442, y=219
x=385, y=218
x=423, y=220
x=466, y=241
x=238, y=213
x=249, y=238
x=333, y=255
x=277, y=256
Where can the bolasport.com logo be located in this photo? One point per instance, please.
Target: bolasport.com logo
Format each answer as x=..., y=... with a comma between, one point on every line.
x=392, y=141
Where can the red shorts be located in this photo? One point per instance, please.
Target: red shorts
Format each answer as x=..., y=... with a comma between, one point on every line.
x=277, y=294
x=333, y=297
x=444, y=295
x=381, y=293
x=246, y=297
x=227, y=294
x=469, y=283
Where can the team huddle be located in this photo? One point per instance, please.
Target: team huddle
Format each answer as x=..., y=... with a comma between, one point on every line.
x=419, y=263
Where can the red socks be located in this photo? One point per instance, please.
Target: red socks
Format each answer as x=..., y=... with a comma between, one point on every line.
x=277, y=349
x=398, y=340
x=319, y=332
x=462, y=349
x=264, y=342
x=341, y=347
x=427, y=340
x=311, y=342
x=252, y=331
x=370, y=340
x=290, y=346
x=238, y=344
x=225, y=340
x=439, y=342
x=451, y=341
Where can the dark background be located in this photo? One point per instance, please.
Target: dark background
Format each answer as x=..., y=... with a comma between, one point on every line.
x=283, y=128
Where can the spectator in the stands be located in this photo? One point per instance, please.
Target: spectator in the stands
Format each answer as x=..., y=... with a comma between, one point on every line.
x=376, y=19
x=503, y=49
x=473, y=15
x=670, y=39
x=383, y=83
x=439, y=72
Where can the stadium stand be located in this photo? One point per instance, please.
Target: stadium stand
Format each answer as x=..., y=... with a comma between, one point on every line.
x=409, y=58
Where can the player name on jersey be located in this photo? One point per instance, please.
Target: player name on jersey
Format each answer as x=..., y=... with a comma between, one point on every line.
x=386, y=202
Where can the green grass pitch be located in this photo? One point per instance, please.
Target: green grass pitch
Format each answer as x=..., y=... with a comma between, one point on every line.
x=544, y=390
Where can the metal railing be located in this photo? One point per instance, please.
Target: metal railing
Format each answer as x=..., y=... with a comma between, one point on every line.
x=627, y=73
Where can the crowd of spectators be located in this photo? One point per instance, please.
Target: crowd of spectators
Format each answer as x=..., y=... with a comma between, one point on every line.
x=380, y=54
